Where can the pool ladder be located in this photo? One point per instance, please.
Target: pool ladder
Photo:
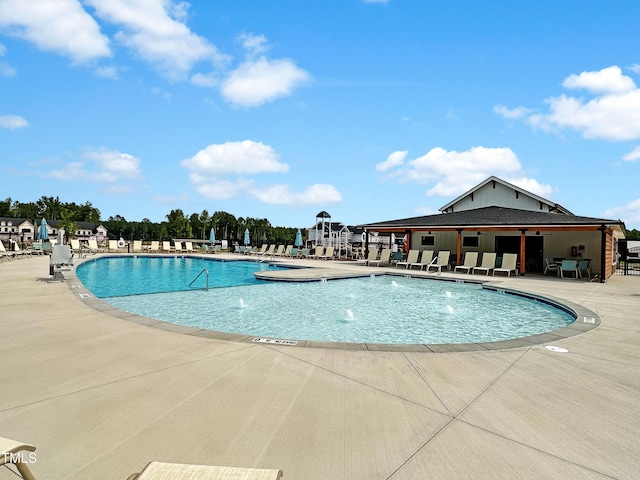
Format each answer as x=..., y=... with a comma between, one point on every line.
x=205, y=271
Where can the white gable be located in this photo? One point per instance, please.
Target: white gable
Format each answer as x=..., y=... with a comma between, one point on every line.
x=496, y=192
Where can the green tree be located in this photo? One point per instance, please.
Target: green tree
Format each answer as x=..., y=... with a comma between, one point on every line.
x=66, y=222
x=5, y=208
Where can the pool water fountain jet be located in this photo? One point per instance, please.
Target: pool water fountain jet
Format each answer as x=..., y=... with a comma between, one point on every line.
x=449, y=309
x=447, y=294
x=394, y=283
x=349, y=315
x=241, y=303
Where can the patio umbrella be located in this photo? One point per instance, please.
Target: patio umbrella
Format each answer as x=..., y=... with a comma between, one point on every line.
x=42, y=230
x=212, y=236
x=247, y=240
x=298, y=241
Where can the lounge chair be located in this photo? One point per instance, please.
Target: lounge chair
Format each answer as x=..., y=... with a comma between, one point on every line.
x=569, y=266
x=551, y=267
x=425, y=260
x=488, y=263
x=269, y=251
x=6, y=254
x=75, y=245
x=317, y=253
x=470, y=261
x=17, y=454
x=385, y=258
x=188, y=247
x=328, y=254
x=18, y=251
x=412, y=257
x=113, y=245
x=93, y=246
x=178, y=247
x=279, y=251
x=441, y=262
x=178, y=471
x=584, y=266
x=509, y=264
x=372, y=257
x=155, y=246
x=166, y=246
x=260, y=251
x=137, y=246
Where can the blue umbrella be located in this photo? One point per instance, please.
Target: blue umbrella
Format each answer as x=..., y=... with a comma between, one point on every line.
x=212, y=236
x=298, y=241
x=247, y=241
x=43, y=234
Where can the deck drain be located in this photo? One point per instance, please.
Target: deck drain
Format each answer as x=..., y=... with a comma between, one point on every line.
x=277, y=341
x=553, y=348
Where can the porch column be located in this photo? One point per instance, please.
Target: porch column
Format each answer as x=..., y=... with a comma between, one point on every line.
x=603, y=254
x=459, y=247
x=523, y=263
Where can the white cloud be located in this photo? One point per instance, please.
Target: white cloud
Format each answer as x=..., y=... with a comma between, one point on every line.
x=511, y=113
x=633, y=155
x=114, y=163
x=259, y=81
x=205, y=80
x=153, y=29
x=107, y=72
x=531, y=185
x=246, y=157
x=100, y=166
x=607, y=80
x=60, y=26
x=254, y=44
x=13, y=122
x=629, y=213
x=612, y=114
x=317, y=194
x=215, y=188
x=393, y=160
x=635, y=68
x=450, y=173
x=7, y=70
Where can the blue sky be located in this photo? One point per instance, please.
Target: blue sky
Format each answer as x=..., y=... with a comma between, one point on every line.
x=370, y=110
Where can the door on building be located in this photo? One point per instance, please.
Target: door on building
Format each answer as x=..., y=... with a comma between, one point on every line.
x=533, y=249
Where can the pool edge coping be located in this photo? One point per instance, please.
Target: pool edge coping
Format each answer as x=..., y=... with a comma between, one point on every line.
x=586, y=319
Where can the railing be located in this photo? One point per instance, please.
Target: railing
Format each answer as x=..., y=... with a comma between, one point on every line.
x=205, y=271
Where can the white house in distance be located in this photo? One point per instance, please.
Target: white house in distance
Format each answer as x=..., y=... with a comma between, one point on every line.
x=496, y=216
x=24, y=230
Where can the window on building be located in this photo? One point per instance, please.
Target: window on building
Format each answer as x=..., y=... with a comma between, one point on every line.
x=428, y=241
x=470, y=241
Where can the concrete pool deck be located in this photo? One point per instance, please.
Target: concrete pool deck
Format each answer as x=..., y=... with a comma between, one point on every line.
x=100, y=395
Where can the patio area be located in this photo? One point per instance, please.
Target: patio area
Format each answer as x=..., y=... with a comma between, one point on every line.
x=101, y=394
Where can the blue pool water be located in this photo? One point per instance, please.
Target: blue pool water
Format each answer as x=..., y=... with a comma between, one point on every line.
x=381, y=309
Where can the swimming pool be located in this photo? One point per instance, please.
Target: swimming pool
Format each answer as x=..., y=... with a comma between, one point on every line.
x=380, y=309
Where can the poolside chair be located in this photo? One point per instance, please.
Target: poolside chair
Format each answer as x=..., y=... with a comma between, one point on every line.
x=584, y=266
x=17, y=454
x=178, y=471
x=19, y=252
x=155, y=246
x=412, y=257
x=328, y=254
x=282, y=251
x=166, y=246
x=137, y=246
x=372, y=257
x=113, y=245
x=260, y=251
x=6, y=254
x=441, y=262
x=551, y=267
x=178, y=247
x=470, y=261
x=425, y=260
x=488, y=263
x=569, y=266
x=385, y=258
x=188, y=247
x=509, y=264
x=92, y=245
x=317, y=253
x=269, y=251
x=75, y=245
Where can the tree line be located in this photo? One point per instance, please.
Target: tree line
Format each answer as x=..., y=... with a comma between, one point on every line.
x=177, y=225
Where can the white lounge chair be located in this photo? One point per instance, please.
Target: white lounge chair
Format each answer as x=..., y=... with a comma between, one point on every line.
x=188, y=247
x=372, y=257
x=412, y=257
x=328, y=254
x=509, y=264
x=17, y=454
x=385, y=258
x=470, y=261
x=488, y=263
x=6, y=254
x=441, y=262
x=155, y=246
x=166, y=246
x=178, y=471
x=425, y=260
x=137, y=246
